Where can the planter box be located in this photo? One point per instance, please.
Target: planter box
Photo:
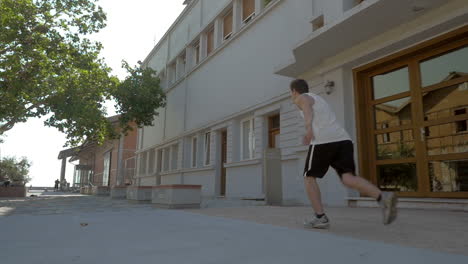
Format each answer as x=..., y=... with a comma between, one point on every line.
x=16, y=191
x=87, y=190
x=139, y=193
x=177, y=196
x=101, y=190
x=118, y=192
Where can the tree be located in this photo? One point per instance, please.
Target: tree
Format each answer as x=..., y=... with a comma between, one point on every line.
x=17, y=171
x=48, y=67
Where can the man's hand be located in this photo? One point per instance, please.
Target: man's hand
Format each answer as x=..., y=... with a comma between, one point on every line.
x=308, y=137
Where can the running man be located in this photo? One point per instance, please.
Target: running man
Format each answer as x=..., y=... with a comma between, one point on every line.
x=330, y=145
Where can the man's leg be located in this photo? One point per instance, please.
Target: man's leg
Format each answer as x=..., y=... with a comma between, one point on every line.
x=360, y=184
x=387, y=200
x=313, y=192
x=320, y=220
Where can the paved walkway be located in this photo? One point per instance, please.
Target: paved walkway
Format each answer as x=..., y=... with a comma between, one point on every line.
x=444, y=231
x=83, y=229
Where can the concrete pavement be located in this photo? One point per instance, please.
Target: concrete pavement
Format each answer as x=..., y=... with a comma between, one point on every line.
x=83, y=229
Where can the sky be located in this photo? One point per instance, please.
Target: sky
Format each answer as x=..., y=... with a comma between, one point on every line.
x=133, y=29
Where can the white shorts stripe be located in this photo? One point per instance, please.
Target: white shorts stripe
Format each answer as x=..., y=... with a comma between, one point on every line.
x=310, y=160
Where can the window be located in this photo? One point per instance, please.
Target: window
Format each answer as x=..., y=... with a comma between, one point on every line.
x=172, y=73
x=162, y=79
x=267, y=2
x=175, y=156
x=196, y=49
x=461, y=126
x=107, y=168
x=182, y=63
x=247, y=139
x=427, y=131
x=207, y=148
x=273, y=131
x=143, y=163
x=227, y=26
x=194, y=152
x=317, y=23
x=160, y=159
x=386, y=136
x=152, y=157
x=166, y=157
x=209, y=41
x=248, y=10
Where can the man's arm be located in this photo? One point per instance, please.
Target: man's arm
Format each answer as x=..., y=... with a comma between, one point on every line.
x=305, y=103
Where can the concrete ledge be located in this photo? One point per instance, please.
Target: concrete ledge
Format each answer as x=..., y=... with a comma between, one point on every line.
x=139, y=193
x=14, y=191
x=415, y=203
x=101, y=190
x=176, y=196
x=86, y=190
x=118, y=192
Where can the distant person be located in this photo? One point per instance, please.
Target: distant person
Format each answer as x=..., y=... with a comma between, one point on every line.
x=6, y=183
x=56, y=187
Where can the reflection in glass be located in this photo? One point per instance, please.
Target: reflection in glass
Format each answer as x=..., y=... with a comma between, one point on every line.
x=449, y=176
x=395, y=145
x=447, y=138
x=397, y=177
x=393, y=113
x=391, y=83
x=446, y=102
x=445, y=67
x=441, y=104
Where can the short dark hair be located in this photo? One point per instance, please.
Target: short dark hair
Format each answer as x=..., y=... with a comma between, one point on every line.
x=300, y=86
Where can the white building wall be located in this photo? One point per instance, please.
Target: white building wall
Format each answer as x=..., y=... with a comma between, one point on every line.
x=245, y=67
x=154, y=135
x=175, y=112
x=175, y=178
x=244, y=182
x=194, y=21
x=158, y=61
x=178, y=39
x=204, y=178
x=211, y=8
x=238, y=80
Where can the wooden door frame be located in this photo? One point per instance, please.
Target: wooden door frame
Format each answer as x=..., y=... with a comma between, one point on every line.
x=364, y=119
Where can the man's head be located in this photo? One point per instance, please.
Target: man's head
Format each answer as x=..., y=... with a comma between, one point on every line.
x=298, y=87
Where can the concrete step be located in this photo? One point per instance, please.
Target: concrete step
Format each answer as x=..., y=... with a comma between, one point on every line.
x=415, y=203
x=221, y=202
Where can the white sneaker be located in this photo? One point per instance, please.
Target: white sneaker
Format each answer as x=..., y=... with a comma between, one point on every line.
x=319, y=223
x=388, y=203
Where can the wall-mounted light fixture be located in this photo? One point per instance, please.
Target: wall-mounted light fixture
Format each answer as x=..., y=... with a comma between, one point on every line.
x=329, y=85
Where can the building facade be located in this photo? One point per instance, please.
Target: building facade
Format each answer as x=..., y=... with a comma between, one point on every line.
x=393, y=71
x=107, y=165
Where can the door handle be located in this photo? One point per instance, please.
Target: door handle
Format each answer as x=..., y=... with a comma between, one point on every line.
x=423, y=133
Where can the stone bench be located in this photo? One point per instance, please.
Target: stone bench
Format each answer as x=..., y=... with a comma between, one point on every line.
x=177, y=196
x=87, y=190
x=118, y=192
x=101, y=190
x=139, y=193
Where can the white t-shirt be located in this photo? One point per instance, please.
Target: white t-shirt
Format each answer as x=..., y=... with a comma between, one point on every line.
x=324, y=125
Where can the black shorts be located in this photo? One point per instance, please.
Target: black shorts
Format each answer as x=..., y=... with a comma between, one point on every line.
x=339, y=155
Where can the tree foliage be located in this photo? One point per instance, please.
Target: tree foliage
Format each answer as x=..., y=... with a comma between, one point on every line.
x=17, y=171
x=49, y=67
